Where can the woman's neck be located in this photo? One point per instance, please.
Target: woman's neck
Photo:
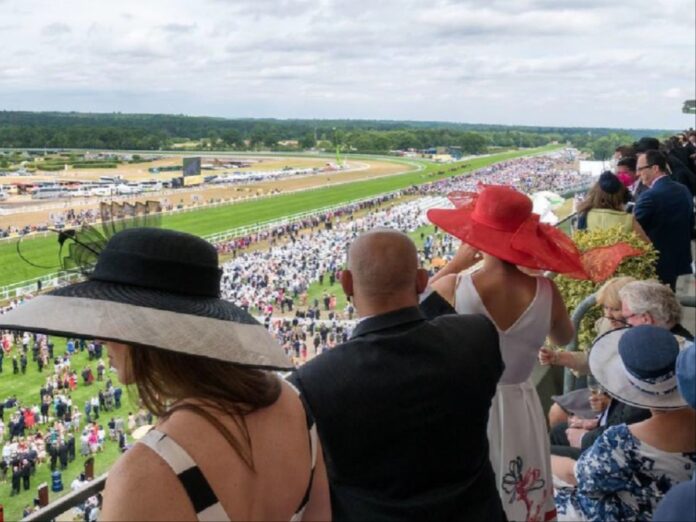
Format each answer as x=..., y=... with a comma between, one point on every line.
x=677, y=427
x=494, y=264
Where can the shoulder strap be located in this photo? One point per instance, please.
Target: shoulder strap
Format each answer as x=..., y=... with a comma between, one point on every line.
x=313, y=437
x=201, y=495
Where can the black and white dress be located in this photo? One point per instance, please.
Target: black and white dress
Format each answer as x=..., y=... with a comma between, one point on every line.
x=205, y=502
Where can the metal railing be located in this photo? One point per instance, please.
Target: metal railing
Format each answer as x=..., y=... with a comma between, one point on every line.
x=68, y=501
x=585, y=306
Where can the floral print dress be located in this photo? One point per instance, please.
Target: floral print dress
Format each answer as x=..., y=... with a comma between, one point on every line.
x=621, y=478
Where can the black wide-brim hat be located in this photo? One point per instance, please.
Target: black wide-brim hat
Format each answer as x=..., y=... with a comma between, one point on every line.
x=154, y=288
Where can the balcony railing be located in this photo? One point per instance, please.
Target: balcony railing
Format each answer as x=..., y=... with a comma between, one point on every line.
x=69, y=501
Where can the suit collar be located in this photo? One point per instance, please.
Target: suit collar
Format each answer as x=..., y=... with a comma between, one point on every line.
x=389, y=320
x=657, y=180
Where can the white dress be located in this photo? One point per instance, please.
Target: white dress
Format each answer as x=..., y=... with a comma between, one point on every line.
x=517, y=433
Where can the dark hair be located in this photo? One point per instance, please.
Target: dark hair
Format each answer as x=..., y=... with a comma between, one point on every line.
x=673, y=143
x=629, y=162
x=598, y=198
x=625, y=150
x=164, y=377
x=645, y=144
x=657, y=158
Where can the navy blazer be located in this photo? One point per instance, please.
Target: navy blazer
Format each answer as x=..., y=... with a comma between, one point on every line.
x=402, y=412
x=666, y=213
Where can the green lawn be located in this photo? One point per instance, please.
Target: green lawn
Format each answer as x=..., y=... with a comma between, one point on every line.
x=26, y=387
x=44, y=251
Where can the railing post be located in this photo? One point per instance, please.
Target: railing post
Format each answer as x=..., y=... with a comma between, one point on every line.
x=42, y=493
x=89, y=468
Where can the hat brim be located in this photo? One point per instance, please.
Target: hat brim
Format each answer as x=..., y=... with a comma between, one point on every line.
x=209, y=333
x=494, y=242
x=608, y=368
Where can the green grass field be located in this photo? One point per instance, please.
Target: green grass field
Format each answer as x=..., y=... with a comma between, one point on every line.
x=26, y=387
x=44, y=250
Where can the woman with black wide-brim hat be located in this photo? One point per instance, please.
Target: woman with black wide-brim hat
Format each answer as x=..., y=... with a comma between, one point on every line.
x=232, y=439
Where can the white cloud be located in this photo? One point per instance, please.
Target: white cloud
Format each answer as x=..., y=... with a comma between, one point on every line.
x=546, y=62
x=674, y=92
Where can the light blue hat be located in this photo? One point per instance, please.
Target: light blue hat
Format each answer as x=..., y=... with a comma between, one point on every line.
x=686, y=374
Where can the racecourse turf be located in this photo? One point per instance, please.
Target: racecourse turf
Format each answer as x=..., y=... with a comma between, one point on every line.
x=43, y=251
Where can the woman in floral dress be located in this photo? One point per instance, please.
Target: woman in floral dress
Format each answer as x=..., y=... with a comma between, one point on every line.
x=630, y=467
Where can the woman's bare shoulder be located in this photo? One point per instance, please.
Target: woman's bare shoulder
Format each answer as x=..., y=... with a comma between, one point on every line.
x=141, y=486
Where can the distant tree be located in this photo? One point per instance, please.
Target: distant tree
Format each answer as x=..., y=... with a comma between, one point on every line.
x=473, y=143
x=603, y=148
x=689, y=107
x=308, y=141
x=232, y=137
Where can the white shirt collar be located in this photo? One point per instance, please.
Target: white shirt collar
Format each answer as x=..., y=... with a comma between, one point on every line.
x=657, y=179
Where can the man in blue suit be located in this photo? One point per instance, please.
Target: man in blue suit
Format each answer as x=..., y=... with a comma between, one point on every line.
x=666, y=213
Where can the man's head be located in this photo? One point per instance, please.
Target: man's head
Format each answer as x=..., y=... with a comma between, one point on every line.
x=627, y=165
x=382, y=272
x=645, y=144
x=650, y=302
x=626, y=169
x=651, y=164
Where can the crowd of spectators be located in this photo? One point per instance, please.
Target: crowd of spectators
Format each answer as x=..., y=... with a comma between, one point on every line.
x=554, y=172
x=273, y=283
x=267, y=281
x=54, y=429
x=313, y=249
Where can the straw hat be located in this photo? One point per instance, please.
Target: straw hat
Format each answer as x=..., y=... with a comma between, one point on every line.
x=637, y=366
x=154, y=288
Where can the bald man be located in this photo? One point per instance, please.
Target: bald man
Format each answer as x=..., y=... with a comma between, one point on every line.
x=402, y=407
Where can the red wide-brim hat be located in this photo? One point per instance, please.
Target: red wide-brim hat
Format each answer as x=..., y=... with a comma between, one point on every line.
x=499, y=221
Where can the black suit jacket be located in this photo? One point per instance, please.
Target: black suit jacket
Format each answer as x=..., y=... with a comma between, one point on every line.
x=619, y=413
x=402, y=410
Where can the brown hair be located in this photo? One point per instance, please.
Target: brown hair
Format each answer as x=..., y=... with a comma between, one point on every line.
x=597, y=198
x=163, y=377
x=625, y=150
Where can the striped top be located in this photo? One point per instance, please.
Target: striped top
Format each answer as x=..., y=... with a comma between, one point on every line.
x=205, y=503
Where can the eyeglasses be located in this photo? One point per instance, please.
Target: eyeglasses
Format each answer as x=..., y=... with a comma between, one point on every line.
x=621, y=321
x=644, y=167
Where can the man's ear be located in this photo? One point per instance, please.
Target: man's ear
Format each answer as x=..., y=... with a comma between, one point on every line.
x=347, y=282
x=422, y=277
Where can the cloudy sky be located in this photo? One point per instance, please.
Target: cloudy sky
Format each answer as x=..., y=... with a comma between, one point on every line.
x=535, y=62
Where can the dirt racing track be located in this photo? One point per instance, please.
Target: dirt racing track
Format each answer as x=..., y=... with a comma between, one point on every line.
x=25, y=211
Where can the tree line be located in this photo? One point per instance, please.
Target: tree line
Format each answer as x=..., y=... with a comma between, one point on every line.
x=160, y=132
